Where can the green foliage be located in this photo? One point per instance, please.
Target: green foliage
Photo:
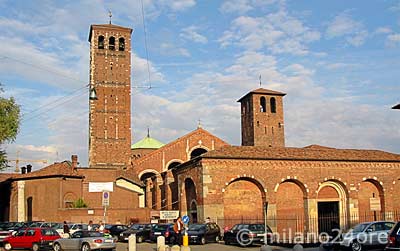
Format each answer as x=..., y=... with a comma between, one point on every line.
x=9, y=124
x=79, y=203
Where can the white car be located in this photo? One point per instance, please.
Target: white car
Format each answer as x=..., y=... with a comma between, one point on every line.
x=85, y=240
x=365, y=235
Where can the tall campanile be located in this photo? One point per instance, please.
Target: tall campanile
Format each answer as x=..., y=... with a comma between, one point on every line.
x=110, y=96
x=262, y=118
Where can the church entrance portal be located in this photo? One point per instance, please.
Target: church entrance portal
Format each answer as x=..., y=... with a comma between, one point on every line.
x=328, y=216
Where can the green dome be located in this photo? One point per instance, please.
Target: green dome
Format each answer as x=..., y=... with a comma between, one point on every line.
x=147, y=143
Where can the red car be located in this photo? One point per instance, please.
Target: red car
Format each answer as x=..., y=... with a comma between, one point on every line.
x=31, y=238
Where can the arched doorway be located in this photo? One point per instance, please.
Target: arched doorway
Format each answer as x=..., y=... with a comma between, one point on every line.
x=332, y=206
x=291, y=202
x=250, y=206
x=197, y=152
x=370, y=199
x=173, y=186
x=191, y=199
x=144, y=176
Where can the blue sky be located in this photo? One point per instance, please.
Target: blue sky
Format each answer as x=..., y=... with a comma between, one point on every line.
x=338, y=61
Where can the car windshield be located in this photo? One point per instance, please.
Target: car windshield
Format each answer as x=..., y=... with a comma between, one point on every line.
x=240, y=226
x=360, y=227
x=160, y=227
x=196, y=227
x=137, y=227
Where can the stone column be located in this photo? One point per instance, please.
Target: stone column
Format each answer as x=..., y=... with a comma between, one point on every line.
x=149, y=193
x=21, y=201
x=169, y=178
x=158, y=183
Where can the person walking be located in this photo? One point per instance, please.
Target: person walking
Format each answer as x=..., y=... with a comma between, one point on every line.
x=178, y=227
x=66, y=230
x=90, y=225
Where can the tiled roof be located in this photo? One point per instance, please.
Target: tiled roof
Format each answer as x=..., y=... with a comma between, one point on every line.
x=263, y=91
x=57, y=169
x=313, y=152
x=129, y=175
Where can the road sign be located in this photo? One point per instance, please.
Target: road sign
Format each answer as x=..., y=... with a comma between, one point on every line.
x=106, y=198
x=375, y=204
x=169, y=215
x=185, y=219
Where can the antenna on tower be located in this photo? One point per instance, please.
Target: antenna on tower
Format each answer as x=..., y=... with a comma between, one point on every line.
x=110, y=15
x=260, y=80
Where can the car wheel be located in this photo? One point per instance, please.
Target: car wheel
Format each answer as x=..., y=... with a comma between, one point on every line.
x=356, y=246
x=35, y=247
x=217, y=238
x=85, y=247
x=203, y=240
x=139, y=239
x=57, y=247
x=7, y=246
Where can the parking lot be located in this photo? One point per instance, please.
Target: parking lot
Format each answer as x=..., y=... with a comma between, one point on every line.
x=208, y=247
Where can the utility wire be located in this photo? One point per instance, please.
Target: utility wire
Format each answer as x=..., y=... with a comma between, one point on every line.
x=145, y=43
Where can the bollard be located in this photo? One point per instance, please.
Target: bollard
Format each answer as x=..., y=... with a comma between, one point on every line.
x=175, y=248
x=298, y=247
x=161, y=243
x=266, y=248
x=185, y=240
x=185, y=248
x=132, y=242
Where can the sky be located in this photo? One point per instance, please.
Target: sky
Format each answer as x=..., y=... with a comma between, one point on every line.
x=338, y=61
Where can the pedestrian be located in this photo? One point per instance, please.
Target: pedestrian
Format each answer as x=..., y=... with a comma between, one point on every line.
x=90, y=225
x=178, y=228
x=66, y=229
x=101, y=226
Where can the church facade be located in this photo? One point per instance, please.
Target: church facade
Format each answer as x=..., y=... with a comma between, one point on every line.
x=200, y=174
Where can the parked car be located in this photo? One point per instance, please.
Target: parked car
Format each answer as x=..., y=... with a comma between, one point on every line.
x=142, y=232
x=203, y=233
x=115, y=229
x=166, y=230
x=73, y=227
x=31, y=238
x=364, y=235
x=3, y=235
x=394, y=238
x=85, y=240
x=247, y=234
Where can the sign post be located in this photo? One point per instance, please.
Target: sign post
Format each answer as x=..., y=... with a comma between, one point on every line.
x=185, y=238
x=105, y=203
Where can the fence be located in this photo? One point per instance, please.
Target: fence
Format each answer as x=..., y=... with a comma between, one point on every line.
x=297, y=228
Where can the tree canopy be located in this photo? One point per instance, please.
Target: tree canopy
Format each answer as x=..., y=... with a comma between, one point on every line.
x=9, y=124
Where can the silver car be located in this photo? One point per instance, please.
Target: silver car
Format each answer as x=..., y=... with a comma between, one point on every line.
x=367, y=234
x=85, y=240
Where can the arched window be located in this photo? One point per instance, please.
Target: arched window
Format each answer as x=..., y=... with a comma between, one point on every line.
x=121, y=46
x=263, y=105
x=101, y=42
x=273, y=105
x=111, y=43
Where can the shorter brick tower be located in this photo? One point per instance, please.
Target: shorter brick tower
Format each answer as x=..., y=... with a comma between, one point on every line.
x=262, y=118
x=110, y=96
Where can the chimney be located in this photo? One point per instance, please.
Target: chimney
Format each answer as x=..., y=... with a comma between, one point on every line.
x=23, y=170
x=28, y=168
x=74, y=162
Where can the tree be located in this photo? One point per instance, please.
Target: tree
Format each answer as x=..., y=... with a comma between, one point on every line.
x=80, y=203
x=9, y=124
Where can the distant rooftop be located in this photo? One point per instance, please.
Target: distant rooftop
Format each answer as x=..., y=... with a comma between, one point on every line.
x=147, y=143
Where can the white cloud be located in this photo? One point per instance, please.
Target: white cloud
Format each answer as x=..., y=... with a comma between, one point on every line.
x=178, y=5
x=279, y=32
x=344, y=25
x=383, y=30
x=393, y=39
x=243, y=6
x=190, y=33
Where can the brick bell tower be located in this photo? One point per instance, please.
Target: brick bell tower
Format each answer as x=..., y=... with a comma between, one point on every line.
x=110, y=96
x=262, y=118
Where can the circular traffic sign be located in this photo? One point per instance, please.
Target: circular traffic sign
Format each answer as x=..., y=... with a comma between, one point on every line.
x=185, y=219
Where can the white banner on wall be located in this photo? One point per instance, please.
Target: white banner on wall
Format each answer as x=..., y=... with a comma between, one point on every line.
x=101, y=187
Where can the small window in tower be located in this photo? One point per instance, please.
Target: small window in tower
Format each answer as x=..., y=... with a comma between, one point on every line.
x=273, y=105
x=121, y=46
x=101, y=42
x=258, y=123
x=265, y=130
x=263, y=105
x=111, y=43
